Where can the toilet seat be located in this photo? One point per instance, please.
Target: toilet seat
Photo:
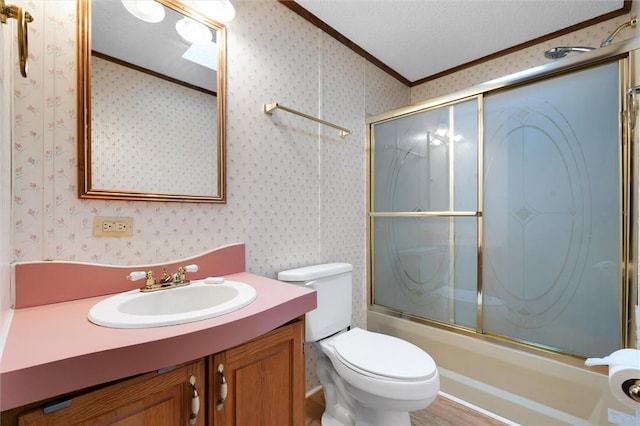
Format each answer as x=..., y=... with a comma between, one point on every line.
x=383, y=357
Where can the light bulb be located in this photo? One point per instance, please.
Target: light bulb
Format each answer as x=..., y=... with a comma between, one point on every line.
x=146, y=7
x=192, y=31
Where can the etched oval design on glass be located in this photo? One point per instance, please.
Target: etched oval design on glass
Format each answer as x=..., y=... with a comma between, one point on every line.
x=539, y=192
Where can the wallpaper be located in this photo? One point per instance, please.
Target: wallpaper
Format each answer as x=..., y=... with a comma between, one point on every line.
x=274, y=163
x=296, y=191
x=137, y=119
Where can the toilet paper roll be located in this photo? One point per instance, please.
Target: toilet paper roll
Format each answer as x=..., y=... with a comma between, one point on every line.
x=624, y=381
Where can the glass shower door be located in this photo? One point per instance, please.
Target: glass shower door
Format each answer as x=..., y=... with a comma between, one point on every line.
x=424, y=214
x=552, y=212
x=503, y=213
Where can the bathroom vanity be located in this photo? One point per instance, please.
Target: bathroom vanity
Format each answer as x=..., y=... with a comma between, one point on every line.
x=84, y=373
x=265, y=374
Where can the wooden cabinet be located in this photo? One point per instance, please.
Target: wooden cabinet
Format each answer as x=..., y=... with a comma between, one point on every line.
x=264, y=381
x=157, y=398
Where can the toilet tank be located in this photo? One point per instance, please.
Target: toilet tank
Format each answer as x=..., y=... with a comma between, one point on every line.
x=332, y=282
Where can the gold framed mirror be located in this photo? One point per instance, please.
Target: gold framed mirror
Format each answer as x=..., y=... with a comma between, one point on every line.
x=151, y=102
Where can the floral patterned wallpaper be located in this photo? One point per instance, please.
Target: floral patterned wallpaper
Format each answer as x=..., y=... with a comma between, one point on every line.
x=148, y=115
x=275, y=164
x=296, y=191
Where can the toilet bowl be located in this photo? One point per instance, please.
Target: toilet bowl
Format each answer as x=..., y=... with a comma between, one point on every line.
x=385, y=376
x=368, y=379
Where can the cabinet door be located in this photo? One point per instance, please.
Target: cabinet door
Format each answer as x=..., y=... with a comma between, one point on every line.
x=152, y=399
x=264, y=379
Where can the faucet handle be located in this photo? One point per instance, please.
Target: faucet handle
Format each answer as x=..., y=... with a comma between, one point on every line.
x=180, y=276
x=137, y=275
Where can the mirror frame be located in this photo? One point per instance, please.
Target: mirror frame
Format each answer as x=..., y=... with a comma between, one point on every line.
x=85, y=188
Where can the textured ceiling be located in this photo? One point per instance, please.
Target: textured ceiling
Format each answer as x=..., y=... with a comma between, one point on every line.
x=421, y=38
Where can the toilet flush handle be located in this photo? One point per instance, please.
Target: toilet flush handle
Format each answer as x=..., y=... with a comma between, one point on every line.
x=311, y=284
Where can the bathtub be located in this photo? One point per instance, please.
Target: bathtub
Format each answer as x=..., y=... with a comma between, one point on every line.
x=523, y=387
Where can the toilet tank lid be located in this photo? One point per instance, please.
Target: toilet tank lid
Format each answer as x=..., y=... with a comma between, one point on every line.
x=313, y=272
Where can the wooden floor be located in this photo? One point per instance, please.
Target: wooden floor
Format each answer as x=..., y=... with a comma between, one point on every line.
x=442, y=412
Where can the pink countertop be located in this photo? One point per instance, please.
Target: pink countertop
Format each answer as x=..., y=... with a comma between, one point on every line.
x=53, y=349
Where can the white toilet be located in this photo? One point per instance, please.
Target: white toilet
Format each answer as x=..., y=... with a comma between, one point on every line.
x=368, y=378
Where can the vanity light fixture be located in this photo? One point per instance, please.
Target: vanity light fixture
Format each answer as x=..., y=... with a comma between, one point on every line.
x=192, y=31
x=145, y=10
x=218, y=10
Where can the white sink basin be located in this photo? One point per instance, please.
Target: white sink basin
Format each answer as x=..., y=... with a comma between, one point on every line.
x=195, y=302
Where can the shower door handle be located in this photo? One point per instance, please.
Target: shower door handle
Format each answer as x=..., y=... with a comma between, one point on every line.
x=632, y=110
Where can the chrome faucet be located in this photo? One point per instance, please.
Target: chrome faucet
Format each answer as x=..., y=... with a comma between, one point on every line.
x=166, y=281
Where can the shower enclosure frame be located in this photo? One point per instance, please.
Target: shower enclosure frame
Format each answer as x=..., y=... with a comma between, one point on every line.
x=627, y=54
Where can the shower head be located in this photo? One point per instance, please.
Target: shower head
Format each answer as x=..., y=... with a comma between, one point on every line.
x=561, y=52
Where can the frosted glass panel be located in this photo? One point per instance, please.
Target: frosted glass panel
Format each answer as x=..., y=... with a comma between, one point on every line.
x=427, y=161
x=427, y=267
x=552, y=212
